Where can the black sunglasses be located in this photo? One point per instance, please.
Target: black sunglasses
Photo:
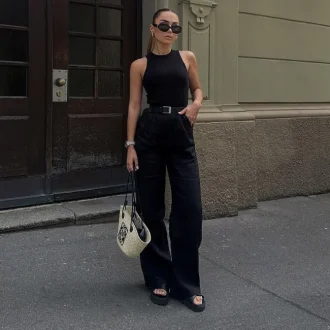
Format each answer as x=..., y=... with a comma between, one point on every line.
x=164, y=27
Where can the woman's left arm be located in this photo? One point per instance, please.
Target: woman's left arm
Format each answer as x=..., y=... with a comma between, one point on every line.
x=192, y=110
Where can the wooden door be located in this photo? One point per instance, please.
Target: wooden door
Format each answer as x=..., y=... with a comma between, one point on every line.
x=96, y=41
x=22, y=100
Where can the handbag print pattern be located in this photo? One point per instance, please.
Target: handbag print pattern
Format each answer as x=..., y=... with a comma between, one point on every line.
x=122, y=234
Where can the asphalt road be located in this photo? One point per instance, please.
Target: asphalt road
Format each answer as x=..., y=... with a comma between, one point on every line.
x=265, y=269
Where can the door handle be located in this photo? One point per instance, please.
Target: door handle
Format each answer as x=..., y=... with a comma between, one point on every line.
x=60, y=82
x=60, y=86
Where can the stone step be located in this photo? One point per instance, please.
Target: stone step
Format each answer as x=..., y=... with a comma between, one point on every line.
x=81, y=212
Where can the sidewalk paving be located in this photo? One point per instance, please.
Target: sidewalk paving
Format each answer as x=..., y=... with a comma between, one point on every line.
x=267, y=268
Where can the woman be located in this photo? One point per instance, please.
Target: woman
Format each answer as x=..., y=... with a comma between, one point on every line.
x=163, y=138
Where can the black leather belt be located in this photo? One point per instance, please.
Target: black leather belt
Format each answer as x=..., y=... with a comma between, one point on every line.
x=167, y=110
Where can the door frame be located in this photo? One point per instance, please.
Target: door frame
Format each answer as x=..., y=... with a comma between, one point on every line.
x=51, y=181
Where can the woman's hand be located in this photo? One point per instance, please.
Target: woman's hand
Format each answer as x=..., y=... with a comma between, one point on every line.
x=132, y=160
x=191, y=111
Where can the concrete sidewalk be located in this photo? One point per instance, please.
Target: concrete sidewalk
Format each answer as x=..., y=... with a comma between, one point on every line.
x=81, y=212
x=266, y=269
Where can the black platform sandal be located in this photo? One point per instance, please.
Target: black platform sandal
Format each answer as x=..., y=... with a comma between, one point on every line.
x=159, y=299
x=189, y=302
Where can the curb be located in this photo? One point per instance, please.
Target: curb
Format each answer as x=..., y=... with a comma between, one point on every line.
x=82, y=212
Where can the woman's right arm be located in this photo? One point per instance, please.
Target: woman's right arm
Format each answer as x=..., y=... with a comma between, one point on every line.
x=133, y=112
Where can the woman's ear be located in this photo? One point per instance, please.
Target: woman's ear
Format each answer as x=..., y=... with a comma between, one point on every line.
x=152, y=30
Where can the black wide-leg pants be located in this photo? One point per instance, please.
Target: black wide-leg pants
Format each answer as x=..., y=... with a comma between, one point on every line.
x=166, y=141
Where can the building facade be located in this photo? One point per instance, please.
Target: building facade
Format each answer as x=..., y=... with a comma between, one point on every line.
x=264, y=129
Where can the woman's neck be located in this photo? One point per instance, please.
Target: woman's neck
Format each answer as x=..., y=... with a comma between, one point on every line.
x=160, y=49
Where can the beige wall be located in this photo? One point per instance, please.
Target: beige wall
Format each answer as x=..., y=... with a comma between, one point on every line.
x=264, y=129
x=311, y=11
x=284, y=51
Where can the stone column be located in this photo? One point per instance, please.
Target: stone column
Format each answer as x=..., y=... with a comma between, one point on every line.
x=198, y=22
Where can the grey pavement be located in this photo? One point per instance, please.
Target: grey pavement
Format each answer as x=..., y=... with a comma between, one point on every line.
x=268, y=268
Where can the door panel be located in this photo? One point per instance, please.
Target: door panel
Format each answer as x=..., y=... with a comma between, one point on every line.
x=95, y=41
x=22, y=94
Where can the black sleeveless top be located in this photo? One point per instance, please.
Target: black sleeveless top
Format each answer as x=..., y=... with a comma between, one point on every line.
x=166, y=80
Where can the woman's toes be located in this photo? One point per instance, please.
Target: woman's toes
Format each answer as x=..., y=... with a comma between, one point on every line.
x=198, y=300
x=160, y=292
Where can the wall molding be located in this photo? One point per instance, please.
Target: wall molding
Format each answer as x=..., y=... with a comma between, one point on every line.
x=269, y=111
x=224, y=113
x=284, y=106
x=200, y=8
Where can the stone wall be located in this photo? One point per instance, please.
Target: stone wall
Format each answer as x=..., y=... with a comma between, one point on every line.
x=243, y=162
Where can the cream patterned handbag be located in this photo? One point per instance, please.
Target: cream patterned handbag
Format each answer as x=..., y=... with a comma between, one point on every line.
x=133, y=235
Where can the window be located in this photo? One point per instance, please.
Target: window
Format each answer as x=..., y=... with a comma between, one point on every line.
x=96, y=49
x=14, y=50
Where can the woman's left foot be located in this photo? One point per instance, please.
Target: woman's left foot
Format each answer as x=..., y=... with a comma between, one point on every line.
x=195, y=303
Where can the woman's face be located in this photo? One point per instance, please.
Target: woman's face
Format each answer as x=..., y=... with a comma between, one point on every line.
x=166, y=38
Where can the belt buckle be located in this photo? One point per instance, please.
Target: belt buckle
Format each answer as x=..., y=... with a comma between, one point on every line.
x=167, y=110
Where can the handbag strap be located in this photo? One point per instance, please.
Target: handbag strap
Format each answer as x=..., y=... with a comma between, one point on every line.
x=129, y=176
x=135, y=196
